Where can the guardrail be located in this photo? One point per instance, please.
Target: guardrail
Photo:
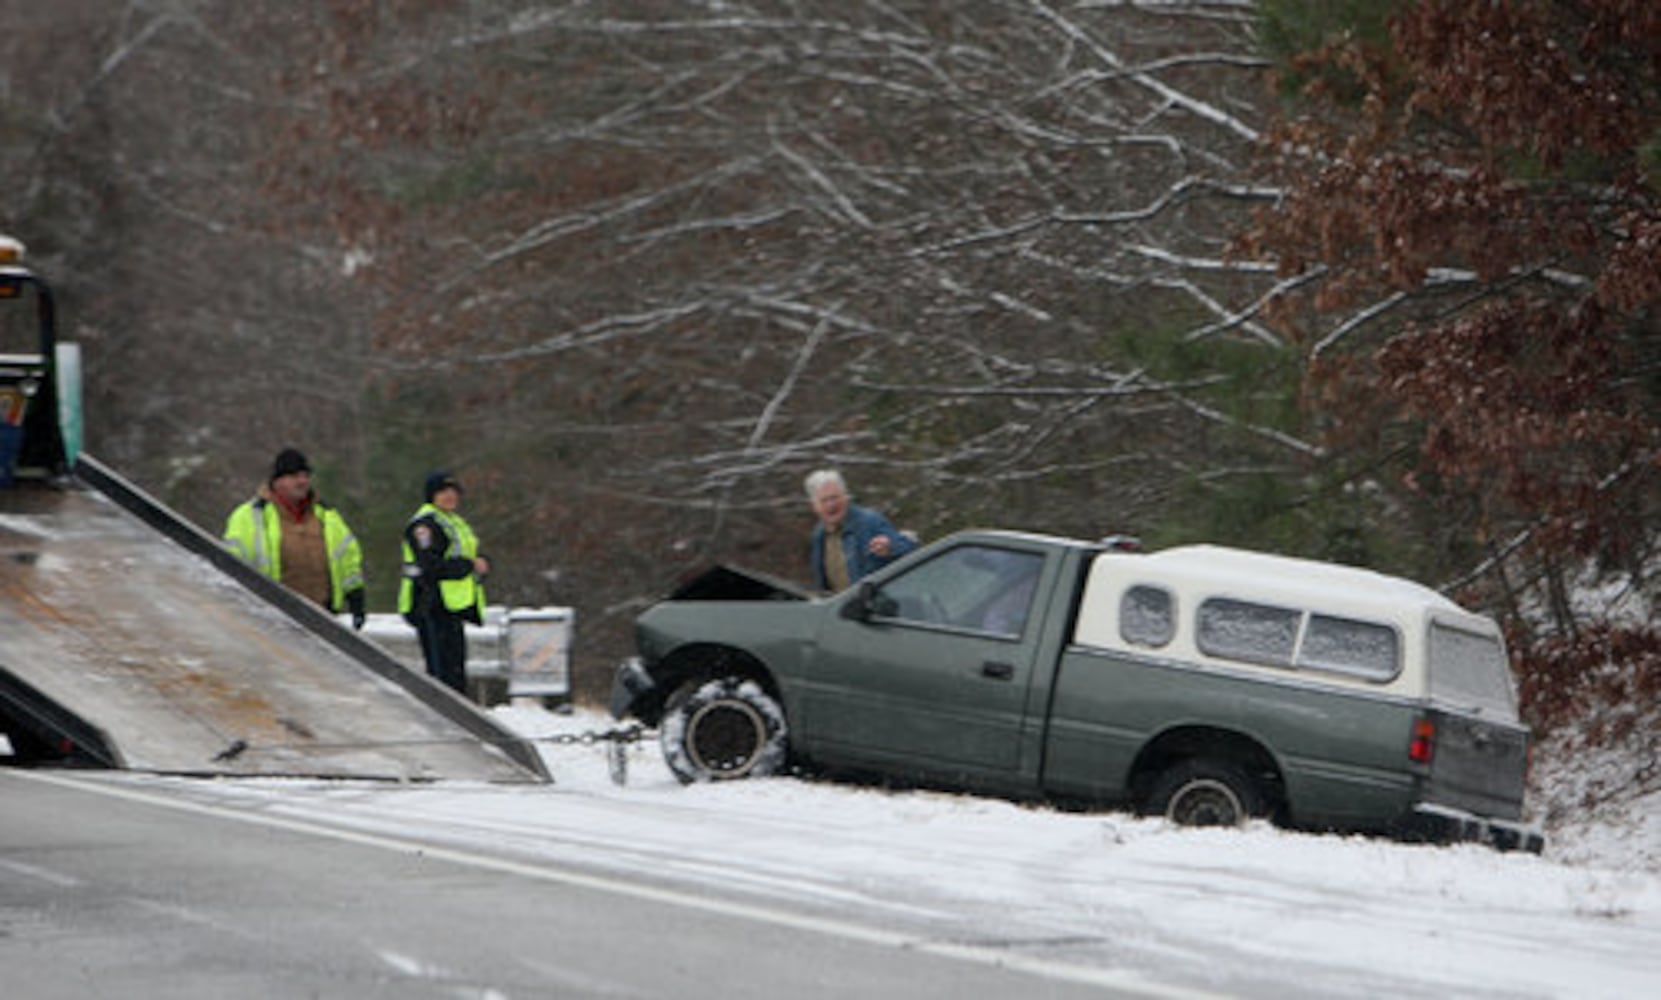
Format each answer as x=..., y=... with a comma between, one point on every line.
x=518, y=652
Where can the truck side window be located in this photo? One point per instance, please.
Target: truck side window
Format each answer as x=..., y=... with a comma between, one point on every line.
x=1005, y=613
x=974, y=587
x=1256, y=633
x=1147, y=616
x=1345, y=646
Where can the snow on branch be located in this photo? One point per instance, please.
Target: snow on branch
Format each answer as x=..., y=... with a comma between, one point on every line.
x=1171, y=95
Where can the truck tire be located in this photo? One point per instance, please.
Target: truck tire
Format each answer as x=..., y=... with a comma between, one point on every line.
x=1201, y=791
x=721, y=729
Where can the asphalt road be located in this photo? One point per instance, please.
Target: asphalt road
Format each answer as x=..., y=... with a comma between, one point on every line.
x=104, y=893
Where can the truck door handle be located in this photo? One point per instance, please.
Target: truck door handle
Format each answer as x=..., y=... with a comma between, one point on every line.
x=997, y=671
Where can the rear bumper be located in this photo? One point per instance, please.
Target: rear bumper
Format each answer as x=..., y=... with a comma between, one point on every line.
x=1445, y=825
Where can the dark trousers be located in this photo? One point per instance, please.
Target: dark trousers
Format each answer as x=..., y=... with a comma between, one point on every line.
x=444, y=645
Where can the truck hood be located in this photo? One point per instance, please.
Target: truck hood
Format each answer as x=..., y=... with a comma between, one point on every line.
x=770, y=620
x=732, y=583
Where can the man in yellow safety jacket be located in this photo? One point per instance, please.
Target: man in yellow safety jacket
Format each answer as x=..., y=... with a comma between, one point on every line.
x=443, y=584
x=288, y=533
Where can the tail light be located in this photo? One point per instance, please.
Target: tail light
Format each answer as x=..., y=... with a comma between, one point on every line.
x=1423, y=745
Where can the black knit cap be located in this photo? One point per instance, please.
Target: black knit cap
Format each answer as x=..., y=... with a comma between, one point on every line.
x=441, y=480
x=288, y=462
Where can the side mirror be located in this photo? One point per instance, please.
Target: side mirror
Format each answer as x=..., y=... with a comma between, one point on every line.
x=858, y=607
x=868, y=602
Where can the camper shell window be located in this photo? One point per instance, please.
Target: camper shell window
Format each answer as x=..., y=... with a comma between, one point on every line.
x=1240, y=630
x=1289, y=637
x=1147, y=616
x=1346, y=646
x=1469, y=670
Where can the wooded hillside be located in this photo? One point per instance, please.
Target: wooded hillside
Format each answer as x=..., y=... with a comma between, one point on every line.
x=1280, y=275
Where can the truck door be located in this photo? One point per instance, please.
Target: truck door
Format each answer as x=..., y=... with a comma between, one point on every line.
x=932, y=673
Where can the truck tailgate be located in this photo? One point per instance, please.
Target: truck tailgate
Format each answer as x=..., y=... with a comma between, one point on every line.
x=1480, y=766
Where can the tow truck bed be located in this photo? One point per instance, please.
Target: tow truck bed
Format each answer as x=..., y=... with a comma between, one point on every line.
x=167, y=663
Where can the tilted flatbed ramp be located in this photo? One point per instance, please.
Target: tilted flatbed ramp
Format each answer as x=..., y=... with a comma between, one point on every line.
x=130, y=631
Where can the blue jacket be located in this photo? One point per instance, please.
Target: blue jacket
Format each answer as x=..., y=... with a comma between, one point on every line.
x=859, y=526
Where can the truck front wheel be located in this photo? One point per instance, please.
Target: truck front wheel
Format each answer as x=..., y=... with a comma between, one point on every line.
x=714, y=730
x=1203, y=792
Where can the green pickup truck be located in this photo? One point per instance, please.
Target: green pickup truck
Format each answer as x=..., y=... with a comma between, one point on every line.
x=1204, y=684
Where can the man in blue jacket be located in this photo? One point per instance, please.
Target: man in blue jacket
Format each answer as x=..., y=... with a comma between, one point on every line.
x=849, y=541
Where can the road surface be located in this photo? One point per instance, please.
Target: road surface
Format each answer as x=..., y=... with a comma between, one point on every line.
x=112, y=890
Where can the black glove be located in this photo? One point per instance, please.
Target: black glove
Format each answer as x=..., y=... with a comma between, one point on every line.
x=354, y=600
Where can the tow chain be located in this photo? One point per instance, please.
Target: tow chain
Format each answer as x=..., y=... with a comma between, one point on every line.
x=616, y=741
x=628, y=734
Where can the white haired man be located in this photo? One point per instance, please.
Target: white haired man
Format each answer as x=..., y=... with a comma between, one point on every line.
x=849, y=541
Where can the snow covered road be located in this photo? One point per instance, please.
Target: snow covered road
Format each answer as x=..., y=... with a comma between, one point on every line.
x=1102, y=898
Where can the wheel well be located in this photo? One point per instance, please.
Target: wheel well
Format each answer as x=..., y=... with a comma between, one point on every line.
x=1185, y=742
x=705, y=662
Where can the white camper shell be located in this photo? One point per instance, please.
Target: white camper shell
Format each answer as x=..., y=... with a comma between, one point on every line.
x=1297, y=621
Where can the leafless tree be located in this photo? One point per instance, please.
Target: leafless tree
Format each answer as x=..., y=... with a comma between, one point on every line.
x=636, y=267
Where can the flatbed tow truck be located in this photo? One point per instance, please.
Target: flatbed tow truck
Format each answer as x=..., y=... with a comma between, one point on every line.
x=129, y=638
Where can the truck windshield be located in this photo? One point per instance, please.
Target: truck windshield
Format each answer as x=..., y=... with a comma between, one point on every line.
x=1470, y=671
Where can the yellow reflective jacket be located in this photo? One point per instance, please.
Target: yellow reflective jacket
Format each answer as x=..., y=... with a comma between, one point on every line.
x=253, y=533
x=451, y=564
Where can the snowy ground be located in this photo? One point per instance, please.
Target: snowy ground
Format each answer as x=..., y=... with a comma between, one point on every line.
x=1601, y=806
x=1256, y=912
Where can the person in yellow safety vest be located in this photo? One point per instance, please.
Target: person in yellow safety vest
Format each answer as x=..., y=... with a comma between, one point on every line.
x=443, y=584
x=289, y=534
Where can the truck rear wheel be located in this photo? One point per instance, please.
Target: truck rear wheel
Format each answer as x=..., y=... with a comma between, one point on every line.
x=1201, y=791
x=716, y=730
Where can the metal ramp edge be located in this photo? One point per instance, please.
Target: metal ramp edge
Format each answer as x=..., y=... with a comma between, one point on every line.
x=60, y=731
x=314, y=619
